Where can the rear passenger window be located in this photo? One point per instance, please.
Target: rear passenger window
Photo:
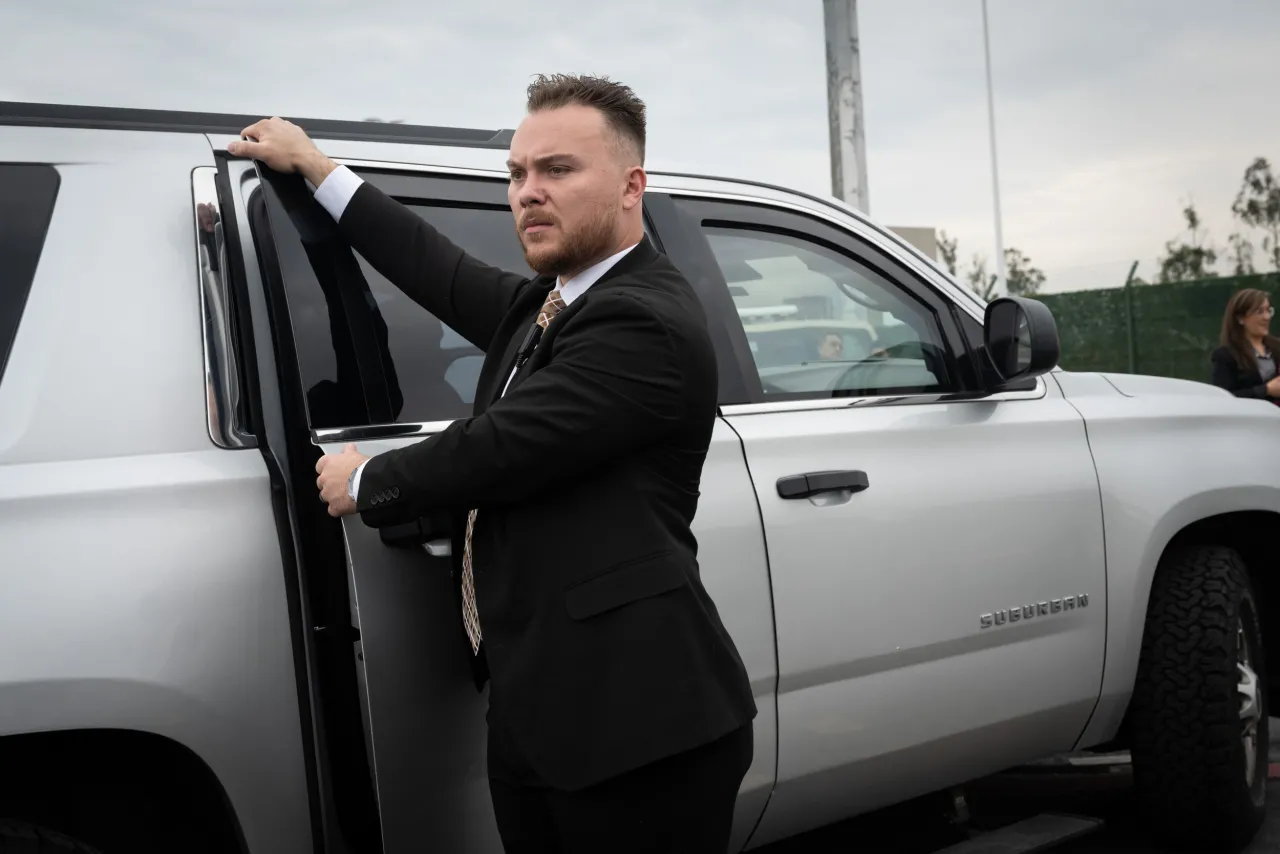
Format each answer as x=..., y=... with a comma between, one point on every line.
x=27, y=193
x=434, y=368
x=367, y=354
x=437, y=368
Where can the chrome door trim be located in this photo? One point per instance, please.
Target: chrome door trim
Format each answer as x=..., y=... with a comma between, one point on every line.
x=221, y=362
x=367, y=432
x=881, y=400
x=461, y=171
x=411, y=429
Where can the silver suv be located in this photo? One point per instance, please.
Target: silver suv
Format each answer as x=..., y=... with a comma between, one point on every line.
x=938, y=555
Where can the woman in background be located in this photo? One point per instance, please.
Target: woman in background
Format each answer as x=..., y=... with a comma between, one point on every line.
x=1245, y=364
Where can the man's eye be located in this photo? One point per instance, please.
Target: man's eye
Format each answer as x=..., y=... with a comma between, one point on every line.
x=558, y=170
x=516, y=176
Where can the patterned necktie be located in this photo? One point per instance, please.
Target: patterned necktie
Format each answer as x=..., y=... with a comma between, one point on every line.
x=470, y=616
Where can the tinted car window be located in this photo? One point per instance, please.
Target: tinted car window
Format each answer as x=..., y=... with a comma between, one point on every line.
x=27, y=194
x=819, y=323
x=438, y=369
x=432, y=370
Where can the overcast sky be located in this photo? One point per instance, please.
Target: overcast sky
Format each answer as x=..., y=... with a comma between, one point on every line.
x=1111, y=114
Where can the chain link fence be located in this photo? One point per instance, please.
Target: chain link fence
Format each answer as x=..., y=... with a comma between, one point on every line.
x=1162, y=330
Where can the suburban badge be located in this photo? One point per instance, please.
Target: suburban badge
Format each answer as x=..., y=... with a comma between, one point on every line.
x=1018, y=613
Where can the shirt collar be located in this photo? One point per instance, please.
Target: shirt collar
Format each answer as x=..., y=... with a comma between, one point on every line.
x=578, y=285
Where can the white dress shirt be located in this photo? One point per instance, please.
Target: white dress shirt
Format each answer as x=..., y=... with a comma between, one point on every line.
x=334, y=194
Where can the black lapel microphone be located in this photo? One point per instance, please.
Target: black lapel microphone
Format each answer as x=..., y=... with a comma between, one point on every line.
x=527, y=346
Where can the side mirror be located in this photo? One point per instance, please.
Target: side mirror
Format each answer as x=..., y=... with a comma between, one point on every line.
x=1021, y=339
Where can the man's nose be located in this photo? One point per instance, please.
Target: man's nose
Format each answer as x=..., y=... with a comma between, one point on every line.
x=531, y=192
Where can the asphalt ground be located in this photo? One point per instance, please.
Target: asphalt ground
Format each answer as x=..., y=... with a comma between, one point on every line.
x=1098, y=792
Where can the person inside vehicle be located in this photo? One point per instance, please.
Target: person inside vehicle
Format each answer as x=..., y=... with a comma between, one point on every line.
x=1245, y=363
x=831, y=348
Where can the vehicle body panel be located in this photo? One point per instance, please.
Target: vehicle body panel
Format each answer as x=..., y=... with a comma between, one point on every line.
x=425, y=720
x=884, y=666
x=1169, y=454
x=141, y=564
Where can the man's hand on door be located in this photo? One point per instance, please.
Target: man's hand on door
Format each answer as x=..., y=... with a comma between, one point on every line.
x=284, y=147
x=334, y=472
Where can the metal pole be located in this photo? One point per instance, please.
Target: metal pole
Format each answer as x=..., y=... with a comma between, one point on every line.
x=1130, y=326
x=995, y=171
x=844, y=104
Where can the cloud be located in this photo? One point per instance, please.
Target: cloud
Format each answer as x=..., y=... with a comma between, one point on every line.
x=1110, y=116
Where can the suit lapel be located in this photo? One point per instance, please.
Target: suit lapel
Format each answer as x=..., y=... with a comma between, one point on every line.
x=526, y=308
x=520, y=318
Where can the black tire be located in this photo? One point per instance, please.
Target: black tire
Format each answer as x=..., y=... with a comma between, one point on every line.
x=19, y=837
x=1190, y=762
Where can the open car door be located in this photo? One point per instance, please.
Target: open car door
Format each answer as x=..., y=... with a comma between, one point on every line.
x=365, y=365
x=372, y=368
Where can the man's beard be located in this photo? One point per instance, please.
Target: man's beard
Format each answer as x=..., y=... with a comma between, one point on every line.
x=576, y=251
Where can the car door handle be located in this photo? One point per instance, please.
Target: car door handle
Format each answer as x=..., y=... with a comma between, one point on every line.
x=817, y=482
x=431, y=532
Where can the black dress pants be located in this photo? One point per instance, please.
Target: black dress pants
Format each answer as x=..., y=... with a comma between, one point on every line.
x=679, y=805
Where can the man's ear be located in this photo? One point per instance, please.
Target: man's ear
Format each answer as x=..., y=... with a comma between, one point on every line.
x=633, y=193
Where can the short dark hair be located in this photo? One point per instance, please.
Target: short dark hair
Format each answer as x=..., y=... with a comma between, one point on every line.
x=623, y=111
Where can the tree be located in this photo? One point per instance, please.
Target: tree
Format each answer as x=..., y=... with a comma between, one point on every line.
x=947, y=248
x=983, y=285
x=1257, y=205
x=1240, y=255
x=1190, y=260
x=1021, y=279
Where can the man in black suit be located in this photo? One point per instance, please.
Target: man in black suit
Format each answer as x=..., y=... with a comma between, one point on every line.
x=619, y=709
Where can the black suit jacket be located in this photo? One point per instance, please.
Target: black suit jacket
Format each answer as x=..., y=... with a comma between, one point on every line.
x=604, y=650
x=1242, y=382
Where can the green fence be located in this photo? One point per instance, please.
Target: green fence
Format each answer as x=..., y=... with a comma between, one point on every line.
x=1163, y=330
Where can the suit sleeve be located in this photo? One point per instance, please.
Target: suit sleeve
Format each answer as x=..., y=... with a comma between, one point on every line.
x=433, y=271
x=615, y=383
x=1226, y=374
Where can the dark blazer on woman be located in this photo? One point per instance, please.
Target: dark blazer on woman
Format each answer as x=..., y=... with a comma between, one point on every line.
x=1242, y=382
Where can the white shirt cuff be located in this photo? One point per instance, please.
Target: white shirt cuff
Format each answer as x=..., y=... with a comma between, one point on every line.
x=335, y=191
x=355, y=484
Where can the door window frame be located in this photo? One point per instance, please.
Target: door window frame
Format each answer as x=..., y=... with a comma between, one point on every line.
x=230, y=395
